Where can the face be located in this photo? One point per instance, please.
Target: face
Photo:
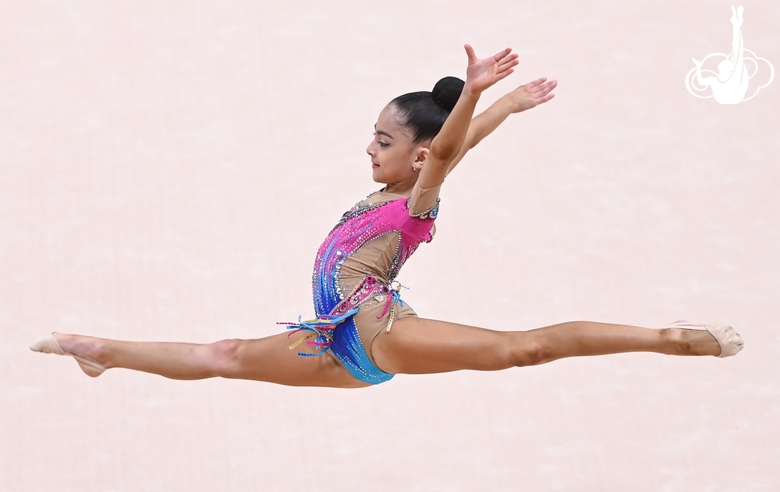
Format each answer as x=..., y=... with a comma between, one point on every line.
x=394, y=153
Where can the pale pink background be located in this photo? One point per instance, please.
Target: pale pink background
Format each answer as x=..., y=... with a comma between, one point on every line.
x=168, y=169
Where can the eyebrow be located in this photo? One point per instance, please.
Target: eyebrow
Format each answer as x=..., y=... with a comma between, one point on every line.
x=382, y=132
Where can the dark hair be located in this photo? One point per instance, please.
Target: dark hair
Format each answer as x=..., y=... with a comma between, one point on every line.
x=424, y=113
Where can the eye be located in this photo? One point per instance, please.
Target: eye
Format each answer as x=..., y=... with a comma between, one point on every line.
x=382, y=143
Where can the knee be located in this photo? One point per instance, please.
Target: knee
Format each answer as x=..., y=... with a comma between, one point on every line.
x=225, y=357
x=530, y=352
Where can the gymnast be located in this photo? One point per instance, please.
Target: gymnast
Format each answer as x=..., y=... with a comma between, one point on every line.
x=364, y=333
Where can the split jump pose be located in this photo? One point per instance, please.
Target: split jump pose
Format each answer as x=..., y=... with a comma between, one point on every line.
x=364, y=333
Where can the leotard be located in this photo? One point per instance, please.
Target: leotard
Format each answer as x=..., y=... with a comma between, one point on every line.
x=354, y=271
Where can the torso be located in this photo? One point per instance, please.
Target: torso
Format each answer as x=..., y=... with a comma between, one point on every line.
x=373, y=239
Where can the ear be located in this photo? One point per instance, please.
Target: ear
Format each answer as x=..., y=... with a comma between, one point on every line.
x=421, y=157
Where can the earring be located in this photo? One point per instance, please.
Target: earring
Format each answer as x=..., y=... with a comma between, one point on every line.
x=414, y=168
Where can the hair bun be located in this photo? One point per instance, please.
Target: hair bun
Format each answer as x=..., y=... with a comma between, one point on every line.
x=447, y=91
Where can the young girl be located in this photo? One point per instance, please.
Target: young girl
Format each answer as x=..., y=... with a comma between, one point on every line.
x=364, y=333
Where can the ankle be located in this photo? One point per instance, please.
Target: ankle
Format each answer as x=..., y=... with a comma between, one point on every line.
x=682, y=341
x=98, y=351
x=675, y=342
x=92, y=349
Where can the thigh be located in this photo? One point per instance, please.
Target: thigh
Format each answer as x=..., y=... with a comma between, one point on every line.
x=423, y=346
x=270, y=359
x=370, y=321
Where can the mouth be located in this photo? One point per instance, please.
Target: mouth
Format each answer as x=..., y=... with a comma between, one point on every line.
x=374, y=165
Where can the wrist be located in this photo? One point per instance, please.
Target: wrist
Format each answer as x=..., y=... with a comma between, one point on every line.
x=470, y=92
x=508, y=105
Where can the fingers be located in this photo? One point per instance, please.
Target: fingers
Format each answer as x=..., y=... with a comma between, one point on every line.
x=539, y=91
x=539, y=86
x=501, y=54
x=505, y=59
x=501, y=58
x=502, y=75
x=507, y=64
x=470, y=54
x=485, y=72
x=543, y=92
x=544, y=89
x=534, y=83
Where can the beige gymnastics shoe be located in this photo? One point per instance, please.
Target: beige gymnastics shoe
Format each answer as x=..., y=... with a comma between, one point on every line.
x=49, y=345
x=729, y=340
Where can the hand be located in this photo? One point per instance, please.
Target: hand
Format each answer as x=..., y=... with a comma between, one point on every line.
x=531, y=94
x=483, y=73
x=697, y=62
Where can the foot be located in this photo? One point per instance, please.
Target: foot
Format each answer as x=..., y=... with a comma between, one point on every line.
x=699, y=339
x=86, y=353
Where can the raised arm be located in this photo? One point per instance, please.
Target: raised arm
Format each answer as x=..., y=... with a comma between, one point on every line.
x=525, y=97
x=446, y=146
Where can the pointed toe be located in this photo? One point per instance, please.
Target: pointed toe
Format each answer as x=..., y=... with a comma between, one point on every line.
x=50, y=345
x=47, y=345
x=729, y=340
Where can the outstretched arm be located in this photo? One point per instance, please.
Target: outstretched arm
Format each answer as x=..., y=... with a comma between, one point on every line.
x=445, y=147
x=525, y=97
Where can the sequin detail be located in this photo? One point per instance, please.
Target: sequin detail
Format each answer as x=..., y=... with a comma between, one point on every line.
x=432, y=212
x=357, y=227
x=322, y=328
x=334, y=330
x=348, y=349
x=395, y=296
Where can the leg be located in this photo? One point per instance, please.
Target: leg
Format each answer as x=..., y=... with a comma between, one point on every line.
x=267, y=359
x=736, y=35
x=421, y=346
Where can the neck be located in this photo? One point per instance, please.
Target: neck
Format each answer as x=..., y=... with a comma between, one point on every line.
x=398, y=188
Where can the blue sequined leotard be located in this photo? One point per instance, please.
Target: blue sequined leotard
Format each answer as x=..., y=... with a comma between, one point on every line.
x=353, y=272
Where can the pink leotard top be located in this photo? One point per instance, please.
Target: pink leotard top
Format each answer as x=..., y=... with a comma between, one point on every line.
x=373, y=239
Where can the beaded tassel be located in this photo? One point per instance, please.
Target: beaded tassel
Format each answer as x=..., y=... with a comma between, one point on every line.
x=391, y=300
x=321, y=330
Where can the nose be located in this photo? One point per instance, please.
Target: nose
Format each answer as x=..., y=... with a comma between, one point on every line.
x=370, y=149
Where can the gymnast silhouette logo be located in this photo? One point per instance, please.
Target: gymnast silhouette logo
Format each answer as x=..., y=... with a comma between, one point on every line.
x=735, y=70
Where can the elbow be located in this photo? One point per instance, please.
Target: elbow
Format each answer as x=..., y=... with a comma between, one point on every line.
x=470, y=143
x=444, y=153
